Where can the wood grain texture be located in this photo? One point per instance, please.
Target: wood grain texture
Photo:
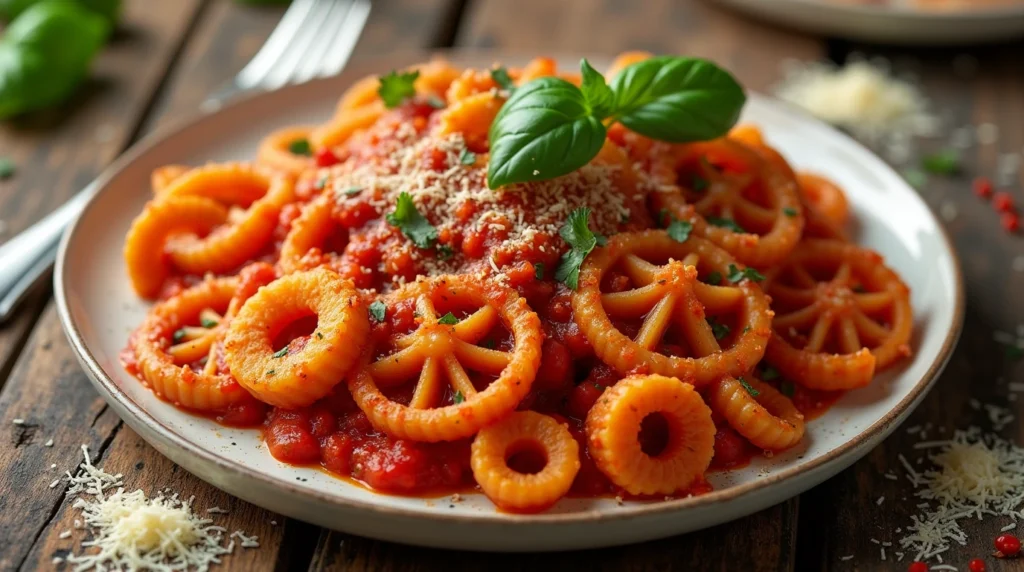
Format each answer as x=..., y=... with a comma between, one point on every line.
x=979, y=369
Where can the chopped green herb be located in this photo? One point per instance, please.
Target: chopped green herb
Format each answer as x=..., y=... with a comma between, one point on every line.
x=501, y=77
x=444, y=252
x=538, y=270
x=413, y=225
x=352, y=191
x=790, y=212
x=787, y=388
x=725, y=223
x=435, y=102
x=319, y=336
x=735, y=274
x=1014, y=352
x=769, y=373
x=271, y=372
x=208, y=323
x=378, y=310
x=598, y=386
x=699, y=184
x=714, y=278
x=679, y=230
x=576, y=231
x=489, y=344
x=178, y=335
x=281, y=352
x=397, y=87
x=750, y=389
x=719, y=329
x=300, y=147
x=916, y=177
x=320, y=183
x=457, y=397
x=746, y=329
x=6, y=168
x=946, y=162
x=467, y=157
x=448, y=319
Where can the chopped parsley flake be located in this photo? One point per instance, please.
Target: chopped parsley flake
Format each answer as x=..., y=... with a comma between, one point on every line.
x=735, y=274
x=787, y=388
x=467, y=157
x=397, y=87
x=178, y=335
x=435, y=102
x=320, y=183
x=538, y=270
x=679, y=230
x=208, y=323
x=319, y=336
x=750, y=389
x=457, y=397
x=725, y=223
x=352, y=191
x=714, y=278
x=790, y=212
x=769, y=373
x=412, y=224
x=378, y=310
x=945, y=162
x=448, y=319
x=300, y=147
x=576, y=231
x=719, y=329
x=281, y=352
x=501, y=77
x=271, y=372
x=444, y=252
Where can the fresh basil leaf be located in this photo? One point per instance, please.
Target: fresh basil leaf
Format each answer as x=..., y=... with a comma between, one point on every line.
x=45, y=53
x=397, y=87
x=413, y=225
x=599, y=96
x=677, y=99
x=543, y=131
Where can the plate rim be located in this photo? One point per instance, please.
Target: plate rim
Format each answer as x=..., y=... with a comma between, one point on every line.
x=110, y=391
x=908, y=12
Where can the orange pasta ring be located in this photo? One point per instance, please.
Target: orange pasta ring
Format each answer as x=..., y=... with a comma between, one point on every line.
x=526, y=434
x=841, y=314
x=162, y=177
x=614, y=427
x=307, y=368
x=671, y=299
x=144, y=246
x=275, y=150
x=344, y=125
x=765, y=417
x=436, y=351
x=471, y=116
x=166, y=366
x=261, y=193
x=751, y=208
x=826, y=197
x=303, y=246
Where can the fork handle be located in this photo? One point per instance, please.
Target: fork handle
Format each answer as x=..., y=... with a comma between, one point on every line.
x=26, y=257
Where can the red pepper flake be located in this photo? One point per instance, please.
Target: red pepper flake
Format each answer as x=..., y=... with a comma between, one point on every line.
x=1007, y=546
x=325, y=158
x=983, y=187
x=917, y=567
x=1003, y=202
x=976, y=565
x=1010, y=221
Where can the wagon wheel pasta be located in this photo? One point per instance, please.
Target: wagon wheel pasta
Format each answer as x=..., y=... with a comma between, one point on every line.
x=841, y=314
x=706, y=313
x=361, y=295
x=440, y=354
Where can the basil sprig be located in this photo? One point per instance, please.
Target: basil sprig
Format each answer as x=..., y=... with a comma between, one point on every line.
x=549, y=127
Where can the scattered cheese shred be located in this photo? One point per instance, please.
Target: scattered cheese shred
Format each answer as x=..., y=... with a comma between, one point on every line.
x=133, y=532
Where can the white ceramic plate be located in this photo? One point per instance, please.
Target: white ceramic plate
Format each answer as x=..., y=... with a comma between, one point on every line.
x=897, y=23
x=99, y=310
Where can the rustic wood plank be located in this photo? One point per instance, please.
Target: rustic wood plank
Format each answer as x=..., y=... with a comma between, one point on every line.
x=979, y=369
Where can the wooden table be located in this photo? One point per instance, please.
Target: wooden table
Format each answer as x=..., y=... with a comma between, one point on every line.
x=167, y=56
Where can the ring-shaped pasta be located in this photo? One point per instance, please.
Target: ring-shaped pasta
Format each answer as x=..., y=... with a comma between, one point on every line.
x=438, y=351
x=275, y=150
x=527, y=433
x=344, y=125
x=144, y=246
x=761, y=414
x=162, y=177
x=841, y=315
x=302, y=248
x=671, y=296
x=306, y=369
x=614, y=429
x=168, y=371
x=751, y=209
x=262, y=194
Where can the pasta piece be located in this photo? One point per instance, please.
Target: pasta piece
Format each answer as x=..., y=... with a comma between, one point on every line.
x=305, y=369
x=671, y=297
x=439, y=350
x=537, y=68
x=162, y=177
x=166, y=370
x=275, y=150
x=614, y=428
x=148, y=266
x=250, y=231
x=841, y=314
x=303, y=246
x=472, y=116
x=747, y=205
x=765, y=417
x=346, y=124
x=525, y=433
x=826, y=197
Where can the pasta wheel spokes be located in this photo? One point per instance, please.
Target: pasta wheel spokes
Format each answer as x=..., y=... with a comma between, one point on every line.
x=722, y=327
x=840, y=315
x=440, y=353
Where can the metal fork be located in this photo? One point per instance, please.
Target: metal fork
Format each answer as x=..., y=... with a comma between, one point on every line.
x=314, y=38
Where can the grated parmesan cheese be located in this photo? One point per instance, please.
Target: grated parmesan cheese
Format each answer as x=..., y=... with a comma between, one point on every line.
x=133, y=532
